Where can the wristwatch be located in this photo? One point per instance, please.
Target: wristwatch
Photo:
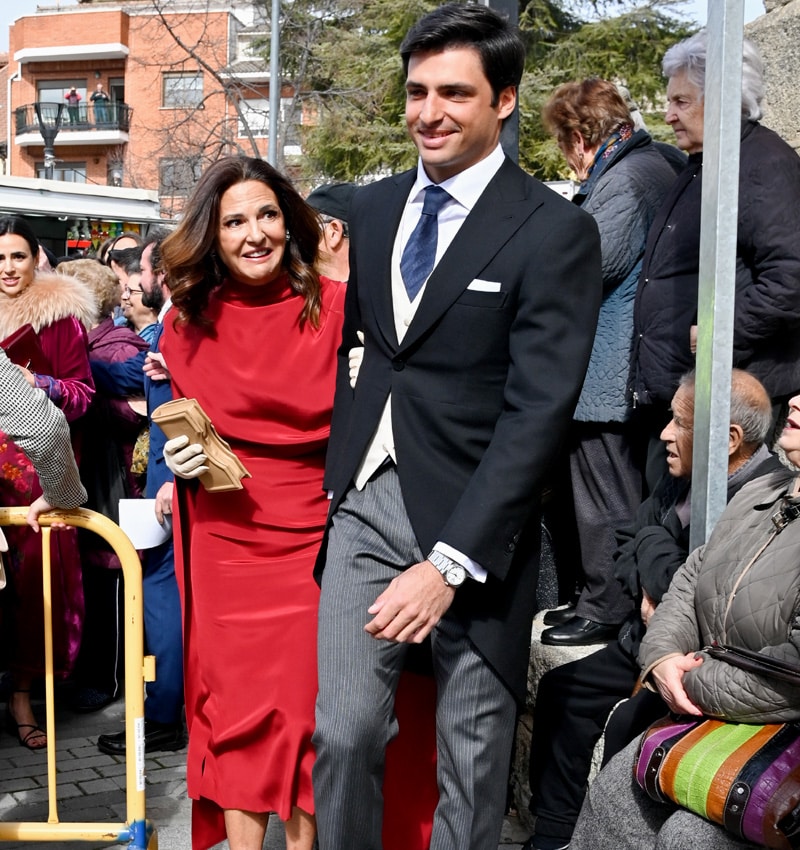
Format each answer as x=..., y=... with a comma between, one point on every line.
x=452, y=572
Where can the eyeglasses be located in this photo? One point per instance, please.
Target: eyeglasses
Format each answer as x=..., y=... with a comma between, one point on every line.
x=126, y=293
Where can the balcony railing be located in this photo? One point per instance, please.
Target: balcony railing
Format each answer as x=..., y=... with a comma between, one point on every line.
x=109, y=116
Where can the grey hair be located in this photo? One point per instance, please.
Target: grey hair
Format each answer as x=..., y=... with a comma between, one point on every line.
x=689, y=56
x=751, y=407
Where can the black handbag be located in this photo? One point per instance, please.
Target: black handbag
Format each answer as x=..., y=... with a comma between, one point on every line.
x=755, y=662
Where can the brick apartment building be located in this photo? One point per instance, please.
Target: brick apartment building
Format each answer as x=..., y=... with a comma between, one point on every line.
x=185, y=88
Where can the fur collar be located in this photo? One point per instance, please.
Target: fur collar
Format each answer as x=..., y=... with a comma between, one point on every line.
x=49, y=298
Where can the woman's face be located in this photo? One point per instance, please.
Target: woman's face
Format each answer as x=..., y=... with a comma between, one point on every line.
x=132, y=308
x=789, y=439
x=572, y=157
x=251, y=240
x=577, y=155
x=685, y=111
x=17, y=264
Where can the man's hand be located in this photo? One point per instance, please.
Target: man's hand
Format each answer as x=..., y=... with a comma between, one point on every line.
x=668, y=677
x=411, y=605
x=155, y=367
x=693, y=339
x=647, y=608
x=164, y=501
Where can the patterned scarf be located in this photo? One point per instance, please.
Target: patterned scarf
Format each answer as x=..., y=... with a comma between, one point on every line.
x=617, y=138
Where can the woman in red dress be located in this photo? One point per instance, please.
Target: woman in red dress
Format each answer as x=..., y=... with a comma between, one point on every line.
x=253, y=337
x=59, y=309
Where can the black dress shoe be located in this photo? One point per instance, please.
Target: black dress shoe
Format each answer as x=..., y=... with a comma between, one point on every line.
x=558, y=616
x=157, y=736
x=578, y=631
x=87, y=700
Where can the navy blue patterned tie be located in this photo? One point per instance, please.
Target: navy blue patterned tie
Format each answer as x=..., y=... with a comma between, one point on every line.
x=419, y=254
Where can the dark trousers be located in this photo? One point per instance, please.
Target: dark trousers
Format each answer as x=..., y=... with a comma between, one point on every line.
x=607, y=490
x=573, y=702
x=163, y=634
x=100, y=663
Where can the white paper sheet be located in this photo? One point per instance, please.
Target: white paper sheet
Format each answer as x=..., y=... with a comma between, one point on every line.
x=137, y=518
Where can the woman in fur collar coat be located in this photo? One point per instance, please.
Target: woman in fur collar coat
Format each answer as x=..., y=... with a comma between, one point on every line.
x=59, y=309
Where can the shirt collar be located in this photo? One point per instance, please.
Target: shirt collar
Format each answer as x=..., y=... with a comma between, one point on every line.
x=165, y=309
x=466, y=186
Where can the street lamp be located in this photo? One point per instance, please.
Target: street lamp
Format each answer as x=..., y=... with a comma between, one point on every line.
x=49, y=116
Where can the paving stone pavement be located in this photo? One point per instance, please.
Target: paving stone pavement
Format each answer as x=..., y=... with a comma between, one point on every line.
x=91, y=786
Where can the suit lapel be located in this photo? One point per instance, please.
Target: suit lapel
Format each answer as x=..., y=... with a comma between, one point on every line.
x=500, y=211
x=376, y=274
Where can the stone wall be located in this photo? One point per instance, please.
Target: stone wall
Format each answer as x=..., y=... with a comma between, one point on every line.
x=777, y=35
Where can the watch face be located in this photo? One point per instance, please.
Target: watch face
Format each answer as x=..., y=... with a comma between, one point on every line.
x=455, y=576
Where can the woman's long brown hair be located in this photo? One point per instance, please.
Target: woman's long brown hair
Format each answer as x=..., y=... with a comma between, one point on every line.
x=188, y=255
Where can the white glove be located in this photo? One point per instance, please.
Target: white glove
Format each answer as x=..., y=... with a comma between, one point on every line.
x=184, y=460
x=354, y=358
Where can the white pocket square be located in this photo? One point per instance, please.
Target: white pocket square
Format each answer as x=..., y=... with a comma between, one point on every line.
x=479, y=285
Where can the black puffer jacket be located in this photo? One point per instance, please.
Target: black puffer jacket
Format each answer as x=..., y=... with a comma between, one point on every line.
x=656, y=545
x=767, y=314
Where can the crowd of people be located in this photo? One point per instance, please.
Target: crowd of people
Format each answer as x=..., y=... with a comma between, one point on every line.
x=398, y=369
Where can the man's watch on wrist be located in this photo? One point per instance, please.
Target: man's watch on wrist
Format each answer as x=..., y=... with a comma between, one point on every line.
x=452, y=572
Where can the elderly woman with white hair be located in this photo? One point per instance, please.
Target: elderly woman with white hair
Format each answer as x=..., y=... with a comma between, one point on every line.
x=767, y=310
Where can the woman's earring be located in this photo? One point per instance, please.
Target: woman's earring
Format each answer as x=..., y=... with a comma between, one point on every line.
x=288, y=236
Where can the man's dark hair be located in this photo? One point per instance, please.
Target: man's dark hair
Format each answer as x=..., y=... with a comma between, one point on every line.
x=453, y=25
x=155, y=236
x=126, y=258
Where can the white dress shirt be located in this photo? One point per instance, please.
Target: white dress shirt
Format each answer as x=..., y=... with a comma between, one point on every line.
x=464, y=189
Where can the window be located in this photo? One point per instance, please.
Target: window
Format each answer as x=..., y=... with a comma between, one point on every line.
x=182, y=90
x=256, y=112
x=68, y=172
x=176, y=177
x=291, y=119
x=53, y=91
x=116, y=89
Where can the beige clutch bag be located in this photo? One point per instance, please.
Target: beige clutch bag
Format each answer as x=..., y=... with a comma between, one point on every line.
x=184, y=416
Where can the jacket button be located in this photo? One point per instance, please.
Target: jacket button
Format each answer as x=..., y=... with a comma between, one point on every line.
x=510, y=547
x=398, y=365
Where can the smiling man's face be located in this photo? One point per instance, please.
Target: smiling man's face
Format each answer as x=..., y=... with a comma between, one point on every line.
x=450, y=113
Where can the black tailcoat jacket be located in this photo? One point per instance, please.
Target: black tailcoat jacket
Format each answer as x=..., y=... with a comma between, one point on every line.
x=483, y=386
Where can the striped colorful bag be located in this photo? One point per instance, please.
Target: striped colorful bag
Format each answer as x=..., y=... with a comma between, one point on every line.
x=744, y=777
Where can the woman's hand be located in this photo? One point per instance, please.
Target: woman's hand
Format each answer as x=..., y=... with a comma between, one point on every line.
x=40, y=506
x=668, y=678
x=354, y=358
x=28, y=375
x=184, y=460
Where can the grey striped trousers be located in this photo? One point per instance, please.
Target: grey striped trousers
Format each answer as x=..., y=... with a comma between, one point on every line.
x=370, y=541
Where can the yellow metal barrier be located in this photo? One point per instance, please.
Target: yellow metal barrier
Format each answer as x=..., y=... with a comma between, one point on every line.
x=137, y=831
